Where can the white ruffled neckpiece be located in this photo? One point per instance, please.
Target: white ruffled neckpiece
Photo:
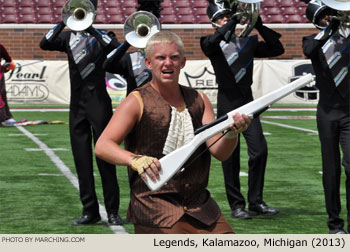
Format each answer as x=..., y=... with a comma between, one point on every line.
x=180, y=130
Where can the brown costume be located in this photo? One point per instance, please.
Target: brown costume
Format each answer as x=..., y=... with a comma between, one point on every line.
x=185, y=195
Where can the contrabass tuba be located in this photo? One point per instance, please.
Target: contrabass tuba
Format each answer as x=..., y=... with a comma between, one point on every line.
x=247, y=11
x=78, y=15
x=139, y=27
x=343, y=10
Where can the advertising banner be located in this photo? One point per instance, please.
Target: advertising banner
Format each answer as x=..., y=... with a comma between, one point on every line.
x=47, y=82
x=268, y=75
x=38, y=82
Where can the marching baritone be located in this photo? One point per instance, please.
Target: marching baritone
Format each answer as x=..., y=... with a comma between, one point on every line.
x=232, y=58
x=329, y=52
x=90, y=111
x=131, y=65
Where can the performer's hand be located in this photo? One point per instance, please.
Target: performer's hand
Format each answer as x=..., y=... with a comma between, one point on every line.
x=333, y=25
x=62, y=24
x=147, y=164
x=8, y=66
x=233, y=9
x=90, y=29
x=5, y=68
x=329, y=31
x=258, y=23
x=241, y=123
x=234, y=15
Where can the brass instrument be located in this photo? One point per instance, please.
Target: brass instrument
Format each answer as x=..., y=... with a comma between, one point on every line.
x=139, y=27
x=247, y=12
x=78, y=15
x=343, y=10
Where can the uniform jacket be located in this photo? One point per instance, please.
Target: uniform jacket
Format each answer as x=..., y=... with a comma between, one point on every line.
x=331, y=95
x=230, y=61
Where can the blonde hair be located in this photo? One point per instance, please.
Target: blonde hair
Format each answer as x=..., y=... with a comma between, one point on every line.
x=164, y=37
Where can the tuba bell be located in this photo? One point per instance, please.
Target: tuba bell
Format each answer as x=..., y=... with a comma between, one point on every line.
x=139, y=27
x=78, y=15
x=343, y=10
x=247, y=11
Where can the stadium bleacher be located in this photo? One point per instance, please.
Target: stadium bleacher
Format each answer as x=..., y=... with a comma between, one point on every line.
x=116, y=11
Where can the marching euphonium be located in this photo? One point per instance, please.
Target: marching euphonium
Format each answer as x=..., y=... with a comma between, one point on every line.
x=78, y=15
x=343, y=10
x=247, y=11
x=139, y=27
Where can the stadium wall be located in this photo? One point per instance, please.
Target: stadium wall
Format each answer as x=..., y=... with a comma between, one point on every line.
x=22, y=40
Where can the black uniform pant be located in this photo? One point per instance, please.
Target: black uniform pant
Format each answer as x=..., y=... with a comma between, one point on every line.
x=87, y=120
x=257, y=152
x=334, y=132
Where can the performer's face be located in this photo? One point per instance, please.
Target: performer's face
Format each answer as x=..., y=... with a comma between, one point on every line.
x=324, y=18
x=323, y=21
x=165, y=62
x=221, y=20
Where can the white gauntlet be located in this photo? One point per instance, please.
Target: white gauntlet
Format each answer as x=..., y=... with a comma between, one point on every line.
x=230, y=134
x=140, y=163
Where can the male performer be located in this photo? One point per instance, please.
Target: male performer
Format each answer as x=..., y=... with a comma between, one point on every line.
x=5, y=114
x=232, y=59
x=90, y=111
x=131, y=65
x=154, y=120
x=329, y=52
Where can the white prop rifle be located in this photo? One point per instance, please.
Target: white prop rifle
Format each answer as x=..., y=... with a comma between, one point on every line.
x=175, y=160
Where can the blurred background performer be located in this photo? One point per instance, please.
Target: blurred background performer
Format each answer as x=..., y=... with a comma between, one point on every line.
x=329, y=52
x=131, y=65
x=90, y=111
x=232, y=58
x=5, y=114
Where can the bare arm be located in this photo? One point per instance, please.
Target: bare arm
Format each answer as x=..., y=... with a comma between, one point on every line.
x=108, y=146
x=123, y=120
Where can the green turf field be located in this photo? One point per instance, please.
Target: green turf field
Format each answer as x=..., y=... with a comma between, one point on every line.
x=37, y=198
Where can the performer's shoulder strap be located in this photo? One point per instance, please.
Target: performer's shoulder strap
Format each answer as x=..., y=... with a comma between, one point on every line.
x=139, y=99
x=201, y=94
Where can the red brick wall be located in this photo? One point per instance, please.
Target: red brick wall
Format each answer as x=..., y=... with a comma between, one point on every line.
x=23, y=44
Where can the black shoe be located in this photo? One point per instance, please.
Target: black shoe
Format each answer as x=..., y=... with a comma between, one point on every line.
x=86, y=220
x=240, y=213
x=337, y=231
x=262, y=209
x=114, y=219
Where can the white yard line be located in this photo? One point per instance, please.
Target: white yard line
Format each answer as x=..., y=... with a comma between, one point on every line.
x=243, y=174
x=290, y=127
x=292, y=109
x=67, y=173
x=39, y=110
x=24, y=135
x=53, y=149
